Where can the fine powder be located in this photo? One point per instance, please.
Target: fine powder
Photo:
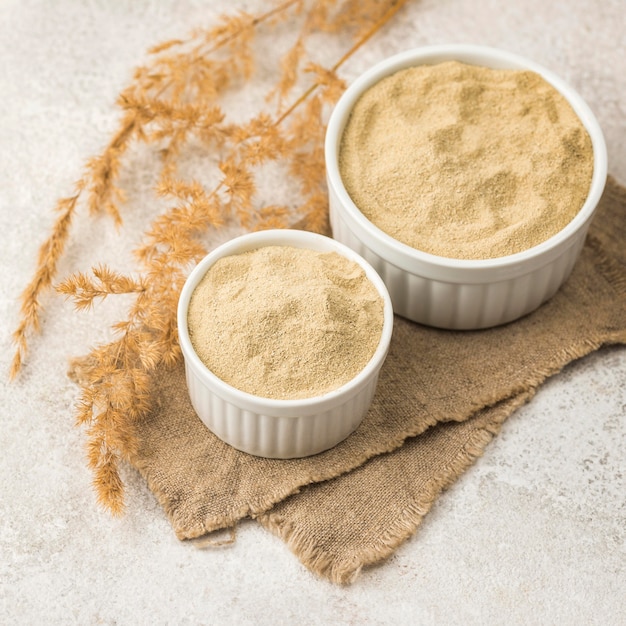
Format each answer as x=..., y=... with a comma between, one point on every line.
x=464, y=161
x=284, y=322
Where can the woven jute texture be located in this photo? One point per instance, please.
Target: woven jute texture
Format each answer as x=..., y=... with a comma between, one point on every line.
x=441, y=397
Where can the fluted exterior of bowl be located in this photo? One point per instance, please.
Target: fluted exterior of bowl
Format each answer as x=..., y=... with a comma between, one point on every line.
x=278, y=436
x=459, y=305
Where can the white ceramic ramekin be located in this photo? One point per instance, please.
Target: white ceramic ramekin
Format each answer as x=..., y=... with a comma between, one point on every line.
x=452, y=293
x=280, y=428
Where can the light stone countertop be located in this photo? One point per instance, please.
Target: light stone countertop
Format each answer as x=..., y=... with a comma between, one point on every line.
x=534, y=533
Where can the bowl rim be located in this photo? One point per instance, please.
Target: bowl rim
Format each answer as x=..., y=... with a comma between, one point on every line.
x=448, y=268
x=300, y=407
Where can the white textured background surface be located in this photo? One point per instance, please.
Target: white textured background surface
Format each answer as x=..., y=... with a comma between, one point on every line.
x=535, y=533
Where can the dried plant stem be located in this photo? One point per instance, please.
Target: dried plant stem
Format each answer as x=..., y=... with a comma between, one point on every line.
x=396, y=5
x=100, y=176
x=103, y=170
x=172, y=100
x=255, y=21
x=49, y=255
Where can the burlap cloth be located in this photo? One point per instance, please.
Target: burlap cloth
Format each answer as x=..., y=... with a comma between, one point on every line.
x=442, y=396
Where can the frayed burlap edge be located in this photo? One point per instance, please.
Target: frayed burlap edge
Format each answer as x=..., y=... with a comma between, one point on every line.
x=340, y=571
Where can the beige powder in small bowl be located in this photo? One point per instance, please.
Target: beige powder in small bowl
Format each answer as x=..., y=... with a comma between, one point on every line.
x=464, y=161
x=284, y=322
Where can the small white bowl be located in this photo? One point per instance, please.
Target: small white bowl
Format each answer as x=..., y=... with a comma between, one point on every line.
x=453, y=293
x=280, y=428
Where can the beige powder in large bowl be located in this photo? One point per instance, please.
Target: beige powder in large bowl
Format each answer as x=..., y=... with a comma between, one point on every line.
x=284, y=322
x=464, y=161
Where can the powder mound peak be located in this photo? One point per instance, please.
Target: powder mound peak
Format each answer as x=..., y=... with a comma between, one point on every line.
x=284, y=322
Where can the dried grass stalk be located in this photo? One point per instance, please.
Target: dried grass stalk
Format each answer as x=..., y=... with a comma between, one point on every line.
x=175, y=100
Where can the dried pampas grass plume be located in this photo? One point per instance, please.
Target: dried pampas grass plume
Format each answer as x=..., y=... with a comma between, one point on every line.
x=173, y=102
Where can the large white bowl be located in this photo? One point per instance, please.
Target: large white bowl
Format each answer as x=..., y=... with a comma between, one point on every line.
x=453, y=293
x=280, y=428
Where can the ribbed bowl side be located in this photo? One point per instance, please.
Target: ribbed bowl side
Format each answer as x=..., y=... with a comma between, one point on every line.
x=461, y=306
x=279, y=437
